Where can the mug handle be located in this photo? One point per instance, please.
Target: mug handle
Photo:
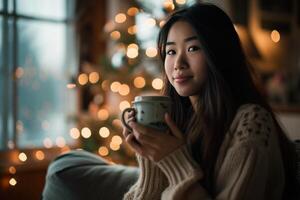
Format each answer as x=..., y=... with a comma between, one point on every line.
x=123, y=117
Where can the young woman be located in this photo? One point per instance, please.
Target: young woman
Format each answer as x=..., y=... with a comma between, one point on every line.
x=223, y=140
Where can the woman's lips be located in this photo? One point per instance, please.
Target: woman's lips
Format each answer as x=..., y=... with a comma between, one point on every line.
x=181, y=79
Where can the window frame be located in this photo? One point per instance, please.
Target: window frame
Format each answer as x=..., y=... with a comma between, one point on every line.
x=9, y=156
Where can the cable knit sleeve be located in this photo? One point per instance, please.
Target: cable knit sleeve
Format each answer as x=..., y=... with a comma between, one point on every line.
x=243, y=167
x=150, y=184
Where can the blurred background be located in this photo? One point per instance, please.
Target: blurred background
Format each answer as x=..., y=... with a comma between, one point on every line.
x=68, y=68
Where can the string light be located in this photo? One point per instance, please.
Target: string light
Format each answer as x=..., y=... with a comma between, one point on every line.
x=181, y=2
x=124, y=90
x=22, y=157
x=86, y=132
x=120, y=18
x=103, y=114
x=60, y=141
x=123, y=105
x=104, y=132
x=114, y=146
x=132, y=30
x=12, y=181
x=151, y=52
x=168, y=5
x=47, y=143
x=151, y=22
x=83, y=79
x=103, y=151
x=117, y=122
x=19, y=72
x=115, y=86
x=12, y=170
x=105, y=85
x=115, y=35
x=117, y=140
x=157, y=84
x=161, y=23
x=39, y=155
x=275, y=36
x=109, y=26
x=132, y=51
x=139, y=82
x=74, y=133
x=94, y=77
x=132, y=11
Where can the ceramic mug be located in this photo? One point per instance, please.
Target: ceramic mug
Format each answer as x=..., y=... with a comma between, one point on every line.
x=150, y=111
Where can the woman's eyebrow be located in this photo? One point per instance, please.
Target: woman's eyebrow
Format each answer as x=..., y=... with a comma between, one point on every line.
x=186, y=40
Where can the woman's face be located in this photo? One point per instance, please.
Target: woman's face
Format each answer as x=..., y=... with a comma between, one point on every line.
x=185, y=63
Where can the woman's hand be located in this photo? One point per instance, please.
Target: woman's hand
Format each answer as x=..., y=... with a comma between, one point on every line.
x=152, y=143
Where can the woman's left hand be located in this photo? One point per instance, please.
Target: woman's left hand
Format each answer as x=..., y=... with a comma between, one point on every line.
x=154, y=144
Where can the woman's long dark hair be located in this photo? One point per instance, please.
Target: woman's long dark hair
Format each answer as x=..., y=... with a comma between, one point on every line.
x=229, y=85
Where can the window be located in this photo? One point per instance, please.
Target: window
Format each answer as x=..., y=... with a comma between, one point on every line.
x=37, y=56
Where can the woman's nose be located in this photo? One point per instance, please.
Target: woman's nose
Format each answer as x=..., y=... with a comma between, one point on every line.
x=180, y=62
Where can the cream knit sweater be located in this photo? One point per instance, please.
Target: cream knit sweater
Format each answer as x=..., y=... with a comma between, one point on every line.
x=249, y=165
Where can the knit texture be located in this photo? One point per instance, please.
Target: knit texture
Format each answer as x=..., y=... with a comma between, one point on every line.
x=249, y=165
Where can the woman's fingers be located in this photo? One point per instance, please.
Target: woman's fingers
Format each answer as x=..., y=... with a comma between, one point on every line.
x=130, y=139
x=174, y=129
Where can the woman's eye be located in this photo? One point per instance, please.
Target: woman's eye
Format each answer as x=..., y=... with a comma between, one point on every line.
x=170, y=52
x=193, y=48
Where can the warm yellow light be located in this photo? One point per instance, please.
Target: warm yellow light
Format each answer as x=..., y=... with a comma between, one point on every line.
x=60, y=141
x=105, y=85
x=103, y=151
x=151, y=52
x=65, y=149
x=22, y=157
x=109, y=26
x=12, y=182
x=48, y=143
x=181, y=1
x=103, y=114
x=39, y=155
x=94, y=77
x=151, y=22
x=132, y=30
x=19, y=72
x=132, y=11
x=114, y=146
x=74, y=133
x=168, y=5
x=133, y=46
x=71, y=85
x=132, y=53
x=104, y=132
x=86, y=132
x=157, y=84
x=124, y=89
x=120, y=18
x=139, y=82
x=275, y=36
x=115, y=35
x=161, y=23
x=123, y=105
x=115, y=86
x=12, y=170
x=117, y=122
x=83, y=79
x=117, y=140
